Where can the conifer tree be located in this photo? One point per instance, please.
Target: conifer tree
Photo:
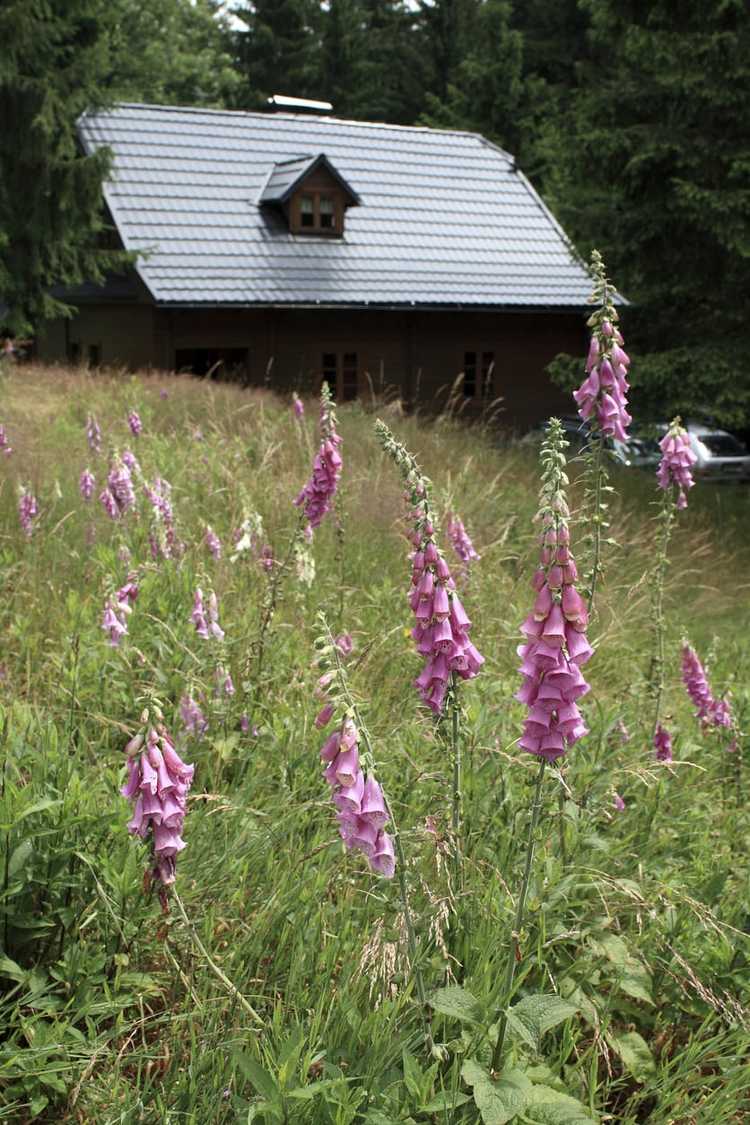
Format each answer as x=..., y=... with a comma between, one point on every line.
x=53, y=57
x=280, y=51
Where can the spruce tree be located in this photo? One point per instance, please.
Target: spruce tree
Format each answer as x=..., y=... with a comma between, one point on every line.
x=280, y=51
x=53, y=57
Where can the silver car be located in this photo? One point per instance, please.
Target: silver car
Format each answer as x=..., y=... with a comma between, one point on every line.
x=720, y=456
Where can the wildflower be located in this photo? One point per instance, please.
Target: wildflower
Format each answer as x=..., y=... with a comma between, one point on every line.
x=555, y=630
x=266, y=557
x=27, y=510
x=622, y=732
x=118, y=497
x=618, y=802
x=344, y=644
x=676, y=462
x=213, y=542
x=134, y=421
x=244, y=722
x=129, y=458
x=192, y=716
x=460, y=540
x=662, y=744
x=162, y=537
x=114, y=622
x=441, y=630
x=5, y=447
x=206, y=626
x=362, y=812
x=316, y=498
x=710, y=711
x=223, y=681
x=603, y=394
x=93, y=434
x=324, y=716
x=298, y=406
x=163, y=393
x=158, y=784
x=86, y=484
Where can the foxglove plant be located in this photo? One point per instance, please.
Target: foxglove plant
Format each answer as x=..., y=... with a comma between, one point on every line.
x=206, y=621
x=134, y=421
x=460, y=541
x=551, y=657
x=5, y=446
x=28, y=510
x=298, y=406
x=118, y=608
x=362, y=806
x=118, y=497
x=158, y=784
x=711, y=712
x=316, y=497
x=602, y=404
x=441, y=629
x=129, y=458
x=212, y=541
x=193, y=719
x=87, y=484
x=162, y=537
x=662, y=744
x=93, y=434
x=673, y=477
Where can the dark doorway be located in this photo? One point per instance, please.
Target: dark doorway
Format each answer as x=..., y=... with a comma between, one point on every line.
x=222, y=363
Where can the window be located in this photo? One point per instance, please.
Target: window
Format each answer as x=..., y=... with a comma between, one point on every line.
x=220, y=363
x=317, y=212
x=307, y=211
x=341, y=372
x=479, y=371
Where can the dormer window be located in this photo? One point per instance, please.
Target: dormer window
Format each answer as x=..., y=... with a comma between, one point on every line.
x=312, y=195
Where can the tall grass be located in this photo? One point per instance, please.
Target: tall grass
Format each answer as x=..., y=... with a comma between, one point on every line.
x=111, y=1011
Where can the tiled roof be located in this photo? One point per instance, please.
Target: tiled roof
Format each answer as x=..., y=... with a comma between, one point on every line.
x=446, y=218
x=286, y=175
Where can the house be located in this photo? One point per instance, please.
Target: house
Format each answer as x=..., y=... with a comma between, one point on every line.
x=292, y=247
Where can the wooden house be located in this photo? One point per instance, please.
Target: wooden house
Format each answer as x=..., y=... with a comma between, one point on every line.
x=290, y=247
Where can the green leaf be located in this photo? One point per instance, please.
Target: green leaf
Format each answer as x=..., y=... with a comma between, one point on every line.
x=19, y=857
x=263, y=1082
x=635, y=1054
x=307, y=1093
x=531, y=1017
x=498, y=1101
x=549, y=1107
x=457, y=1003
x=445, y=1100
x=412, y=1074
x=38, y=806
x=9, y=968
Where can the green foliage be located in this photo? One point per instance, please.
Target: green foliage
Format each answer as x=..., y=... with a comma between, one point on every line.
x=633, y=956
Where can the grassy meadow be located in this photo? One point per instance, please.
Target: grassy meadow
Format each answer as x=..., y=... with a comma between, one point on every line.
x=633, y=963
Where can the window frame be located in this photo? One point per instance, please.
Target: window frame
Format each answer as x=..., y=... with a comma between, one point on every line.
x=341, y=363
x=484, y=367
x=316, y=194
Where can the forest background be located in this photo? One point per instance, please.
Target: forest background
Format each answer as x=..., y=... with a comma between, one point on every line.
x=631, y=117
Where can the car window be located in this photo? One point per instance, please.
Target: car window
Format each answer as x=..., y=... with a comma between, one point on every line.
x=722, y=445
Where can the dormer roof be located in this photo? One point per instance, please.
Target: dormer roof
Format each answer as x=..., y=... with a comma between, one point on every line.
x=287, y=176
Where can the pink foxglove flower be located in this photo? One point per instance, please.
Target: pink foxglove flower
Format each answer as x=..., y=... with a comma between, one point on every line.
x=93, y=434
x=5, y=446
x=676, y=462
x=120, y=489
x=618, y=802
x=213, y=542
x=28, y=510
x=158, y=784
x=316, y=498
x=86, y=484
x=441, y=629
x=223, y=681
x=206, y=622
x=109, y=504
x=710, y=711
x=344, y=644
x=361, y=808
x=114, y=622
x=192, y=716
x=460, y=541
x=602, y=397
x=298, y=406
x=129, y=458
x=162, y=536
x=662, y=744
x=267, y=560
x=555, y=630
x=134, y=421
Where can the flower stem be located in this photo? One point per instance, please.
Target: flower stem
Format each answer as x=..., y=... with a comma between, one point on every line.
x=514, y=953
x=457, y=802
x=231, y=988
x=598, y=474
x=657, y=666
x=272, y=598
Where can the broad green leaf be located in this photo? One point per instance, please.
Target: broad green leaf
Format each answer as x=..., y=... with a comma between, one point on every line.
x=549, y=1107
x=636, y=979
x=307, y=1093
x=445, y=1100
x=534, y=1015
x=498, y=1101
x=20, y=856
x=457, y=1003
x=262, y=1081
x=412, y=1074
x=635, y=1054
x=636, y=986
x=38, y=806
x=9, y=968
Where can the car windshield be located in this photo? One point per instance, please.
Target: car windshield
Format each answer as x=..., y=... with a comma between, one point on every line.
x=722, y=445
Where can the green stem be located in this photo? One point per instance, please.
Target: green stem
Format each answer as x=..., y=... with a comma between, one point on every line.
x=457, y=804
x=597, y=518
x=514, y=954
x=273, y=597
x=657, y=677
x=231, y=988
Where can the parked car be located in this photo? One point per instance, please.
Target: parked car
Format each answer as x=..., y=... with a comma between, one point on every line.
x=720, y=455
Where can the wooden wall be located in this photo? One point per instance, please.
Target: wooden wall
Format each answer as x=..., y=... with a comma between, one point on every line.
x=410, y=352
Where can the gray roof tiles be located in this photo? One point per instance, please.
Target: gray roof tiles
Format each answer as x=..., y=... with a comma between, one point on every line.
x=445, y=218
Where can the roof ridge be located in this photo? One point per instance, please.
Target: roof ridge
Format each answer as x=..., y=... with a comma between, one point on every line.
x=264, y=115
